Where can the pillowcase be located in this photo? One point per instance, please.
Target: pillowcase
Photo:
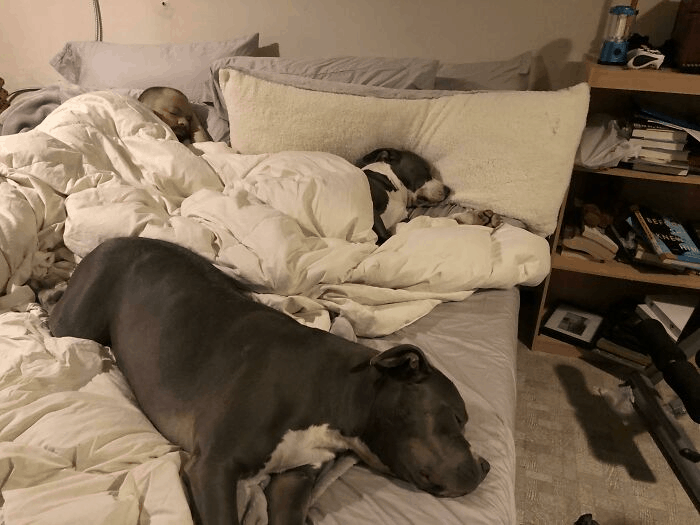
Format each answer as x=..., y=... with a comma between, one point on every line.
x=515, y=74
x=403, y=73
x=103, y=65
x=508, y=151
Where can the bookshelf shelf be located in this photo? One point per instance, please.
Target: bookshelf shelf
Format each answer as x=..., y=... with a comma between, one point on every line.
x=618, y=270
x=596, y=286
x=653, y=80
x=643, y=175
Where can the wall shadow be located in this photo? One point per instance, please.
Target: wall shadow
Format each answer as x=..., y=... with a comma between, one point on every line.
x=657, y=23
x=553, y=69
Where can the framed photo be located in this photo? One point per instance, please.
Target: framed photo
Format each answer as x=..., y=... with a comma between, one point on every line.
x=573, y=325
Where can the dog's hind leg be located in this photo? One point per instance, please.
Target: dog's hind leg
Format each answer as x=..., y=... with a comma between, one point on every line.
x=212, y=486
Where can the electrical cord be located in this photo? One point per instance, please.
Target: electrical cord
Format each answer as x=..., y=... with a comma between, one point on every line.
x=98, y=20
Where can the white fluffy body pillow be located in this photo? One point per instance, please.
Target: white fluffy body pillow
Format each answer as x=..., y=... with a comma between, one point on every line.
x=508, y=151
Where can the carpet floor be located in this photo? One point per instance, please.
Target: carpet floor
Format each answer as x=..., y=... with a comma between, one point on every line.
x=582, y=450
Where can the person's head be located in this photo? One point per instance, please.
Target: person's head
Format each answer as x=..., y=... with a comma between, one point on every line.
x=172, y=107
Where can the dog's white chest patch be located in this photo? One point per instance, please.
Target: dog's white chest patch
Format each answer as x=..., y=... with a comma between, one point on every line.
x=315, y=446
x=398, y=200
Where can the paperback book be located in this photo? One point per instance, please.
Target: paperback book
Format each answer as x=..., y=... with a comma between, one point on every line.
x=642, y=130
x=673, y=310
x=668, y=145
x=664, y=168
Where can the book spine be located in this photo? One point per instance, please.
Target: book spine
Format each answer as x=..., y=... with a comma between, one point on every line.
x=651, y=238
x=663, y=318
x=645, y=312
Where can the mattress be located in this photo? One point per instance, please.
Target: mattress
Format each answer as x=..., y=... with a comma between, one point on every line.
x=474, y=342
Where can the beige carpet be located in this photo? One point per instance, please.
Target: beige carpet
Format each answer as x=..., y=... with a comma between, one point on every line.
x=577, y=455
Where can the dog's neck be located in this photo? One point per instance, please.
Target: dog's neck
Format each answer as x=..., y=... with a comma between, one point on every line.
x=399, y=200
x=402, y=191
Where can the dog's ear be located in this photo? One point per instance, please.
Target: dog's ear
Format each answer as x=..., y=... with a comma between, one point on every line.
x=387, y=155
x=381, y=179
x=404, y=362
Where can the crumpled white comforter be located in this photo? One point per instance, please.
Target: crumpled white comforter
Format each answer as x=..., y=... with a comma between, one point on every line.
x=297, y=225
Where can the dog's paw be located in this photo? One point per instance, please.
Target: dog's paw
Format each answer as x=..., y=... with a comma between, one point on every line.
x=492, y=219
x=478, y=218
x=466, y=217
x=50, y=296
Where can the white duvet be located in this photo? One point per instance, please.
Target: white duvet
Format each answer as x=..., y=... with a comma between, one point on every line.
x=297, y=225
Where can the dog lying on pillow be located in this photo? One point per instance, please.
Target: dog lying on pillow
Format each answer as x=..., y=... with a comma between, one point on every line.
x=399, y=180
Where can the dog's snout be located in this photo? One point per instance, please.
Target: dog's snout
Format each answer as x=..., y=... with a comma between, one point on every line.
x=432, y=192
x=485, y=466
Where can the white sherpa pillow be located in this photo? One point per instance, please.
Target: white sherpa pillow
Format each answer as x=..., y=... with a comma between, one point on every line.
x=508, y=151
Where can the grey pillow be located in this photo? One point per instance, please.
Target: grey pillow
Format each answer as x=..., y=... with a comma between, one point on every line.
x=514, y=74
x=399, y=73
x=103, y=65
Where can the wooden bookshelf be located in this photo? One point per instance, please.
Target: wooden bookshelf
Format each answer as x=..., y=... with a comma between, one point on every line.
x=595, y=285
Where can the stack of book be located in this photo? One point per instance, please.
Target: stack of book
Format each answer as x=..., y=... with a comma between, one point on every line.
x=667, y=144
x=617, y=339
x=589, y=242
x=663, y=241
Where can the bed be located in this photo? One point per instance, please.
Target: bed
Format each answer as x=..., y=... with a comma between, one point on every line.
x=274, y=200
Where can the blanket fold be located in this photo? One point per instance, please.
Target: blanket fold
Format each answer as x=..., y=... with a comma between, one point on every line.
x=292, y=224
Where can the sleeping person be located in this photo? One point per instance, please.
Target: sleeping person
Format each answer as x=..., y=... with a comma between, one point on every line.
x=173, y=108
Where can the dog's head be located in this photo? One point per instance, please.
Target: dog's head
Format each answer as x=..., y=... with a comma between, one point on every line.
x=416, y=425
x=414, y=173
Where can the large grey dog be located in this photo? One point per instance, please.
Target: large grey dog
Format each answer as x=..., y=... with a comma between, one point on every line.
x=240, y=385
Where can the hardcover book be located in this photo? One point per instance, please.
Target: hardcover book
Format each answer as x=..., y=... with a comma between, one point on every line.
x=668, y=238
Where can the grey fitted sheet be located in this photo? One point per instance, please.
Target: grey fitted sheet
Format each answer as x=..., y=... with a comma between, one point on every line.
x=474, y=342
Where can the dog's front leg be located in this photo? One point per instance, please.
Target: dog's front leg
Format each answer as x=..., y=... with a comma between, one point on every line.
x=212, y=484
x=379, y=228
x=288, y=495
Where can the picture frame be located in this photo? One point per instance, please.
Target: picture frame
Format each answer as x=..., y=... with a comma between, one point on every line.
x=573, y=325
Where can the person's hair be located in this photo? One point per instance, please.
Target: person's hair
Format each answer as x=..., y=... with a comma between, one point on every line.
x=154, y=92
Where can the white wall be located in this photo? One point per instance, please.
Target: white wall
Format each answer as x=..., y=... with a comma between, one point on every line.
x=560, y=31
